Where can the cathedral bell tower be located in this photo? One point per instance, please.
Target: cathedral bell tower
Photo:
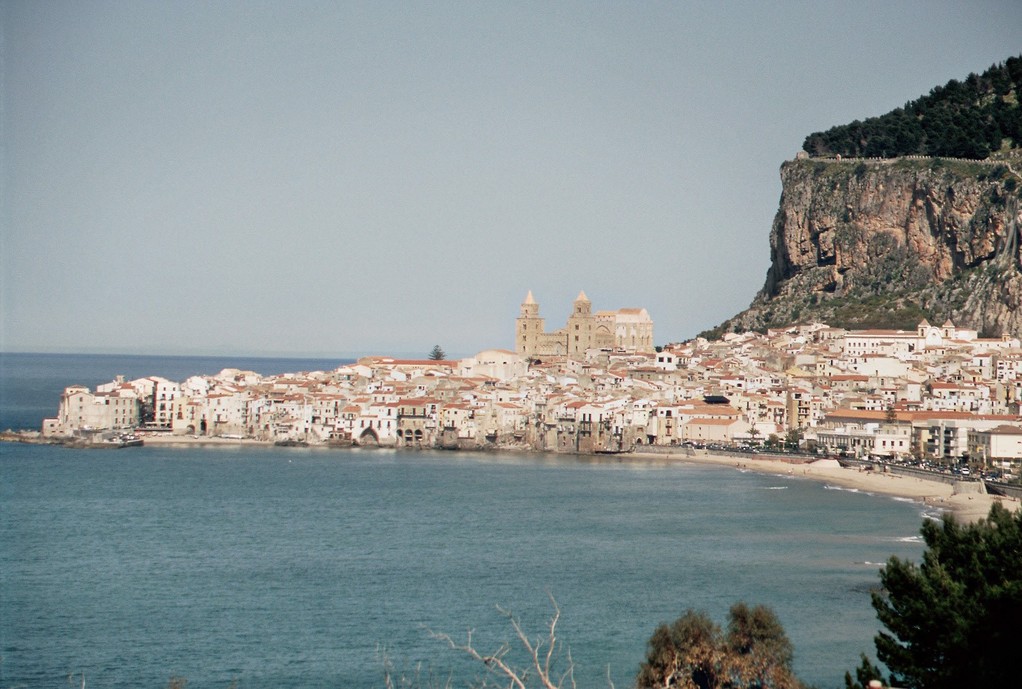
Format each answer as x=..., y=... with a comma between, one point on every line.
x=529, y=328
x=581, y=326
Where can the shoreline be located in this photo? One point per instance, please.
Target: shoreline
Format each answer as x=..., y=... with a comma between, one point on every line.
x=967, y=507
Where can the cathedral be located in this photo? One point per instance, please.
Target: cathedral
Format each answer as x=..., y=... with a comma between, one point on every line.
x=629, y=330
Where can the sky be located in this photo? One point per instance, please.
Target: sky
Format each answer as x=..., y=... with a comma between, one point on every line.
x=348, y=178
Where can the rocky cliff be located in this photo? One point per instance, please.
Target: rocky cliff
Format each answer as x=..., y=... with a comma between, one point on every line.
x=885, y=243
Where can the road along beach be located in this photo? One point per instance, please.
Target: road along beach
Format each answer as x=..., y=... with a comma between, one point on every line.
x=965, y=500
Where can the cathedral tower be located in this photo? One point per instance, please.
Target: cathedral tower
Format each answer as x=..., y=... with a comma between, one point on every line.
x=529, y=328
x=581, y=326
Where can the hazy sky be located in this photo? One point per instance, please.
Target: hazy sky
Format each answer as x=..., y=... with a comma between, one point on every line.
x=343, y=178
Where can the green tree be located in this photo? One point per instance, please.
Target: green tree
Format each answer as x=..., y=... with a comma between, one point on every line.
x=686, y=651
x=960, y=119
x=759, y=653
x=953, y=621
x=437, y=353
x=753, y=653
x=864, y=674
x=793, y=438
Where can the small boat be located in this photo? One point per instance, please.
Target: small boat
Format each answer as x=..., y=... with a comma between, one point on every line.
x=131, y=440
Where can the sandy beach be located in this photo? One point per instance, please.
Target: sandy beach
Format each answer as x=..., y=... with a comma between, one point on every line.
x=167, y=439
x=966, y=506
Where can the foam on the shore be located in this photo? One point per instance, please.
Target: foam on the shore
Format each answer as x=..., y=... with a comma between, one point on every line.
x=937, y=497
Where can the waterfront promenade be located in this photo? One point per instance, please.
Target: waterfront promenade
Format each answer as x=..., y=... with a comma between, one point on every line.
x=968, y=505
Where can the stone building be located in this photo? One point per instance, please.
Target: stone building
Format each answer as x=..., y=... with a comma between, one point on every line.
x=625, y=329
x=81, y=411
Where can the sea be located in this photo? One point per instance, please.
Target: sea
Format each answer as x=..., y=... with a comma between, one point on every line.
x=266, y=567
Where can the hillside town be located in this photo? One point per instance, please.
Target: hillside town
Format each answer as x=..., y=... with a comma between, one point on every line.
x=938, y=393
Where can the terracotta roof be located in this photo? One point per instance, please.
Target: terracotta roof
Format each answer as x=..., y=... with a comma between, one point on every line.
x=881, y=333
x=1006, y=429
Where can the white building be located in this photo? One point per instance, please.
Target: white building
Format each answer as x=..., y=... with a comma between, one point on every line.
x=997, y=445
x=500, y=364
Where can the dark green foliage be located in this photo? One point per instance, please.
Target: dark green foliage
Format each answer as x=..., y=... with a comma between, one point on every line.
x=875, y=311
x=954, y=620
x=860, y=309
x=437, y=353
x=997, y=172
x=864, y=674
x=967, y=119
x=714, y=334
x=754, y=653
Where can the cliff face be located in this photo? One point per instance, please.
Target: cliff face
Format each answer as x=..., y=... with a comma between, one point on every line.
x=887, y=243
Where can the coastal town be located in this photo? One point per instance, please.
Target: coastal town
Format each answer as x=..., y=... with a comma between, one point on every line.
x=938, y=394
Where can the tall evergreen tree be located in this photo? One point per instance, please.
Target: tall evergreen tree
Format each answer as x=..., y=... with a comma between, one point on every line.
x=955, y=620
x=962, y=119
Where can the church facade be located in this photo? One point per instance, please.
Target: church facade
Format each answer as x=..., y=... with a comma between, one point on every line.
x=625, y=329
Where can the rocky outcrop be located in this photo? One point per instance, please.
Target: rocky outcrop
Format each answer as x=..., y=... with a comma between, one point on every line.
x=885, y=243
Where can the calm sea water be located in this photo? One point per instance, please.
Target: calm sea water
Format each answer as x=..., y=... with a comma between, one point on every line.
x=289, y=567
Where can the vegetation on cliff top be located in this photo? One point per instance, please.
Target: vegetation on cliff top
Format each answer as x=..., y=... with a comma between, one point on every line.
x=887, y=312
x=962, y=119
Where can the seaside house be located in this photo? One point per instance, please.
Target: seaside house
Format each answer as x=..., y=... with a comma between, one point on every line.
x=417, y=421
x=1000, y=446
x=188, y=415
x=228, y=412
x=722, y=429
x=867, y=433
x=82, y=412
